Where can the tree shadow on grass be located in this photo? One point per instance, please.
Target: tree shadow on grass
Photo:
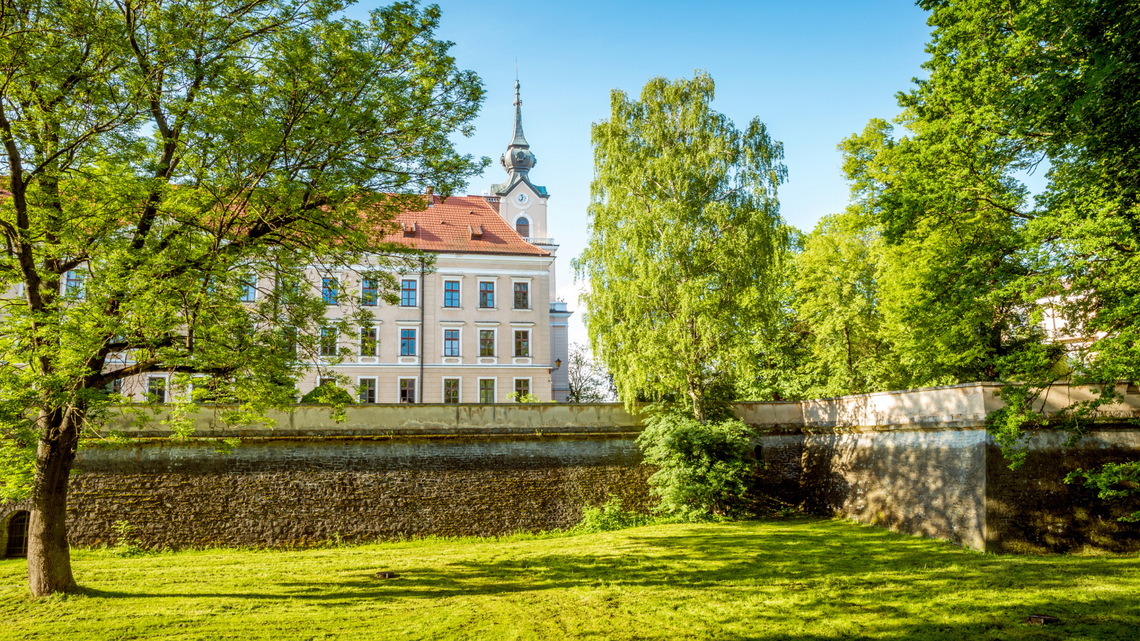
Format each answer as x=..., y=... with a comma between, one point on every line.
x=832, y=571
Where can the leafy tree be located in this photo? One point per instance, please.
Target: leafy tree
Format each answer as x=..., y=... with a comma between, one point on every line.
x=1013, y=87
x=160, y=153
x=838, y=299
x=587, y=381
x=685, y=243
x=956, y=299
x=781, y=347
x=1060, y=83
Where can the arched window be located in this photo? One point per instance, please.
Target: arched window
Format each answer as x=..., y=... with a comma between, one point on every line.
x=17, y=535
x=522, y=226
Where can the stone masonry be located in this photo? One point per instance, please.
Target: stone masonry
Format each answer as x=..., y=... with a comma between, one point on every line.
x=918, y=461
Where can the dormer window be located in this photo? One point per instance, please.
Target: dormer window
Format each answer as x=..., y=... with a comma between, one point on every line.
x=522, y=226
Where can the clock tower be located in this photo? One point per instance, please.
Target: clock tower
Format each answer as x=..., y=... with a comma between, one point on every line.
x=522, y=203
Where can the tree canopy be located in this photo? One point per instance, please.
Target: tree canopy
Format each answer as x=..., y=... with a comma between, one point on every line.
x=685, y=241
x=969, y=262
x=158, y=154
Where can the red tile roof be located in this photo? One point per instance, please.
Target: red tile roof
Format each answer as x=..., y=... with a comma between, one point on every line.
x=447, y=227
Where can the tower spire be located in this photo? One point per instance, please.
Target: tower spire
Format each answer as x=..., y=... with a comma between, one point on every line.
x=519, y=139
x=518, y=158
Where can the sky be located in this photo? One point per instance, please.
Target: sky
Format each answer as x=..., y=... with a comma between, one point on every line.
x=814, y=72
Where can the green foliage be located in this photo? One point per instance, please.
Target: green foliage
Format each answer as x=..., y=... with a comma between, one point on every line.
x=955, y=283
x=515, y=397
x=608, y=517
x=126, y=545
x=1112, y=481
x=328, y=393
x=703, y=467
x=971, y=263
x=158, y=154
x=838, y=282
x=685, y=241
x=781, y=345
x=17, y=463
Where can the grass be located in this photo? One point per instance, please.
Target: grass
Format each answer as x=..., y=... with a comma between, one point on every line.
x=788, y=579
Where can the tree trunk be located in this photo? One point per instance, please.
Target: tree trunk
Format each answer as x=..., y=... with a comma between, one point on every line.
x=49, y=557
x=698, y=405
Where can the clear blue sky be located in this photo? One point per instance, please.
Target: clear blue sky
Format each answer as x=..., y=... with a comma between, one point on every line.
x=814, y=72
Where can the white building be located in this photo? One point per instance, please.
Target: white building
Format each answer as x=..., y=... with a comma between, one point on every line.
x=483, y=325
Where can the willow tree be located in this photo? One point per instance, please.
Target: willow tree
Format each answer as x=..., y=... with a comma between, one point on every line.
x=685, y=239
x=159, y=153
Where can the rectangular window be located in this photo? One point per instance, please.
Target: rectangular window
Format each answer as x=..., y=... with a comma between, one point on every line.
x=407, y=390
x=486, y=390
x=368, y=341
x=408, y=293
x=321, y=382
x=289, y=336
x=451, y=293
x=368, y=292
x=156, y=389
x=328, y=341
x=522, y=343
x=366, y=389
x=522, y=296
x=75, y=284
x=407, y=342
x=486, y=342
x=329, y=290
x=248, y=286
x=522, y=388
x=486, y=295
x=451, y=390
x=451, y=342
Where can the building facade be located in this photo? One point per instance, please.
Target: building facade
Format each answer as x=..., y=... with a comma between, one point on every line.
x=482, y=324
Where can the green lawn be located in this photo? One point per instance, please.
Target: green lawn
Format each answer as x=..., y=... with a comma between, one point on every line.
x=789, y=579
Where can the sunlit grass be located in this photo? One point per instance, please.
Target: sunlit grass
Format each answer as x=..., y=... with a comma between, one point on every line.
x=791, y=579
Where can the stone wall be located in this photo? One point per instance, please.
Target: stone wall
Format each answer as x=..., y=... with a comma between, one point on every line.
x=921, y=462
x=917, y=461
x=922, y=482
x=294, y=492
x=1032, y=509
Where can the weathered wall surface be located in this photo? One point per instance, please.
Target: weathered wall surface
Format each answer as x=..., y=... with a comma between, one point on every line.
x=1033, y=510
x=922, y=482
x=917, y=461
x=292, y=492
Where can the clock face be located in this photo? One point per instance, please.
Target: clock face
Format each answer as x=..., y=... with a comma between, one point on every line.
x=522, y=198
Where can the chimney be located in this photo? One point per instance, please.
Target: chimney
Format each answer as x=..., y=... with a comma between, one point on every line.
x=430, y=195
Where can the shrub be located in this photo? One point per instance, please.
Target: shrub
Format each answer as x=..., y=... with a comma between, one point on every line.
x=522, y=398
x=703, y=467
x=125, y=543
x=328, y=393
x=609, y=517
